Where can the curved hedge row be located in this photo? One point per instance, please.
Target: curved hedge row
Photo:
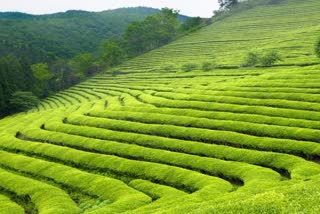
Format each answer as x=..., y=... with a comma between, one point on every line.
x=211, y=166
x=218, y=115
x=201, y=135
x=148, y=137
x=275, y=160
x=47, y=199
x=236, y=126
x=8, y=206
x=179, y=177
x=106, y=188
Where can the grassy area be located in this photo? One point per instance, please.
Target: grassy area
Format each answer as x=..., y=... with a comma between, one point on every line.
x=159, y=138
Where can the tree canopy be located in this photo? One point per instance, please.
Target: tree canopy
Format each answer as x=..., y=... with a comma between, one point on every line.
x=22, y=101
x=15, y=75
x=43, y=38
x=227, y=4
x=152, y=32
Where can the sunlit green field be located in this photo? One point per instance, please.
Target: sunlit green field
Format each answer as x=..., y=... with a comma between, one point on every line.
x=147, y=137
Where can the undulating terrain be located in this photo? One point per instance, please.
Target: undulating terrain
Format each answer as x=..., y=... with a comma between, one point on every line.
x=148, y=137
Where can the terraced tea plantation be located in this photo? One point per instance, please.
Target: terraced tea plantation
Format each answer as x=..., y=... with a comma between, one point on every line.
x=148, y=137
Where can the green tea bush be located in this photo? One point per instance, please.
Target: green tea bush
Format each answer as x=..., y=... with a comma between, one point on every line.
x=46, y=198
x=8, y=206
x=178, y=159
x=220, y=115
x=152, y=139
x=189, y=147
x=179, y=177
x=195, y=134
x=247, y=93
x=105, y=188
x=156, y=190
x=178, y=102
x=236, y=126
x=276, y=103
x=189, y=67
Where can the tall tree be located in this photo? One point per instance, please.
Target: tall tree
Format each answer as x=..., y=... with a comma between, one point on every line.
x=22, y=101
x=152, y=32
x=41, y=75
x=227, y=4
x=193, y=23
x=15, y=75
x=63, y=75
x=2, y=101
x=112, y=53
x=81, y=64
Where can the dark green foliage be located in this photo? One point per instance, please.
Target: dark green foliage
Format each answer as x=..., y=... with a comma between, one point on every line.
x=41, y=74
x=169, y=68
x=142, y=36
x=317, y=49
x=270, y=58
x=41, y=79
x=252, y=59
x=14, y=15
x=15, y=75
x=22, y=101
x=154, y=31
x=193, y=24
x=266, y=59
x=227, y=4
x=63, y=75
x=2, y=99
x=45, y=37
x=189, y=67
x=81, y=64
x=207, y=66
x=39, y=48
x=112, y=53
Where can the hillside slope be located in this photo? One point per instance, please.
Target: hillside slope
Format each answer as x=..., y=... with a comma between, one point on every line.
x=64, y=34
x=148, y=139
x=290, y=27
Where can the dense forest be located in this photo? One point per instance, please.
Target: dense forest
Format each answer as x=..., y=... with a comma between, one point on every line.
x=40, y=55
x=63, y=34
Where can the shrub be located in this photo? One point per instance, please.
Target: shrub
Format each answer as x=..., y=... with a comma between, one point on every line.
x=208, y=66
x=192, y=24
x=266, y=59
x=189, y=67
x=168, y=68
x=318, y=48
x=252, y=59
x=270, y=58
